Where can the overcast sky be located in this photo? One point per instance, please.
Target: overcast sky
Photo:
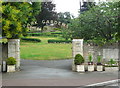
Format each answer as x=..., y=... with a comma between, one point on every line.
x=71, y=6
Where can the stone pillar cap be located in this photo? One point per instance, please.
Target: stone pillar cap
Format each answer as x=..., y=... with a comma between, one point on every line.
x=77, y=40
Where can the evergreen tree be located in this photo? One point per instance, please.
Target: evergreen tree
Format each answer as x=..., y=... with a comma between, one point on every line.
x=47, y=13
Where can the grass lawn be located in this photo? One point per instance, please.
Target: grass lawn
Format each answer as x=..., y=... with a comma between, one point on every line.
x=44, y=50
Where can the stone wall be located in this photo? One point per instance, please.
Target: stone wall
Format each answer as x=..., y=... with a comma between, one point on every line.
x=107, y=51
x=119, y=55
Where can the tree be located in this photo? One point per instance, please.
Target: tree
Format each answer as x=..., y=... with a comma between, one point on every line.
x=16, y=16
x=118, y=20
x=86, y=6
x=66, y=33
x=65, y=17
x=47, y=13
x=98, y=23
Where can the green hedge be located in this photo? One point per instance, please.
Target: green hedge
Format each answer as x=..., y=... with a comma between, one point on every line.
x=52, y=34
x=42, y=34
x=59, y=41
x=56, y=33
x=31, y=39
x=35, y=34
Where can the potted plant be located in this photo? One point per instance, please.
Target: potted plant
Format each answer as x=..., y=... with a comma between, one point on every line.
x=11, y=62
x=79, y=60
x=111, y=66
x=90, y=63
x=99, y=64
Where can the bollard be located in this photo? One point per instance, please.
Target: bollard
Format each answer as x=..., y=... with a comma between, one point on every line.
x=4, y=66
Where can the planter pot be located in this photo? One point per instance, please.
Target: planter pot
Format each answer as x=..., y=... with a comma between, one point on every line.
x=80, y=68
x=10, y=68
x=91, y=68
x=111, y=69
x=99, y=67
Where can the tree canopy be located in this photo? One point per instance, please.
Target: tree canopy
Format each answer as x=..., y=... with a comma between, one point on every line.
x=47, y=13
x=99, y=23
x=16, y=16
x=65, y=17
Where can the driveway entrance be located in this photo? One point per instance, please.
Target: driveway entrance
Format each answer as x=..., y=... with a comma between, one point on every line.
x=53, y=73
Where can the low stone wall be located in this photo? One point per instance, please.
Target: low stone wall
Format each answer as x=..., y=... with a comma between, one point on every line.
x=107, y=51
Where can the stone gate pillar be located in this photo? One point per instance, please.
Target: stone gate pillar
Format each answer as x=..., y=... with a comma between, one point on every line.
x=77, y=47
x=14, y=50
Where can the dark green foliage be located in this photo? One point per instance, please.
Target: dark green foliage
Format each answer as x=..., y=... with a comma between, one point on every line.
x=31, y=39
x=99, y=24
x=35, y=34
x=90, y=58
x=111, y=66
x=66, y=34
x=11, y=61
x=78, y=59
x=111, y=62
x=65, y=17
x=86, y=6
x=43, y=34
x=47, y=13
x=56, y=33
x=48, y=34
x=59, y=41
x=99, y=59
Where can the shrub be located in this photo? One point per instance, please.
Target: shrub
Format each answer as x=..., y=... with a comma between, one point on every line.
x=31, y=39
x=78, y=59
x=99, y=60
x=11, y=61
x=59, y=41
x=36, y=34
x=111, y=62
x=56, y=33
x=90, y=58
x=48, y=34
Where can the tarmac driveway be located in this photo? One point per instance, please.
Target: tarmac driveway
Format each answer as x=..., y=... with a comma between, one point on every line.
x=53, y=73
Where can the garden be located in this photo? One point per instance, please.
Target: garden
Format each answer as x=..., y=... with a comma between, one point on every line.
x=43, y=49
x=99, y=24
